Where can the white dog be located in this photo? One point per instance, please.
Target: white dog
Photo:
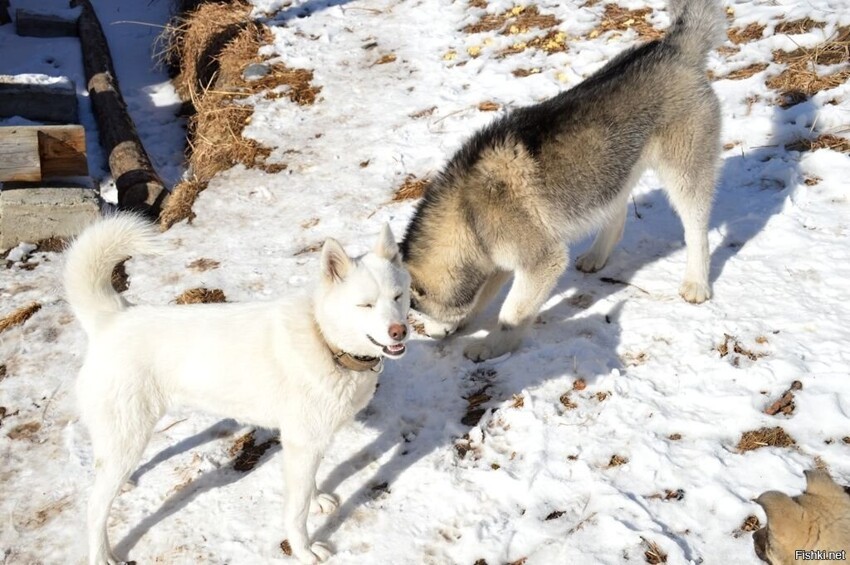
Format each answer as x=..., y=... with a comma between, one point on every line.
x=304, y=366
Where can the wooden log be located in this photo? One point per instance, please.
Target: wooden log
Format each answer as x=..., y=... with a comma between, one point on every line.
x=139, y=187
x=40, y=102
x=57, y=23
x=36, y=153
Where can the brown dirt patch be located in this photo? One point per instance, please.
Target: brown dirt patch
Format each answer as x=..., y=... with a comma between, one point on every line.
x=19, y=316
x=765, y=437
x=579, y=384
x=652, y=552
x=554, y=515
x=669, y=494
x=286, y=548
x=752, y=32
x=801, y=78
x=674, y=437
x=794, y=27
x=750, y=524
x=522, y=73
x=785, y=403
x=553, y=42
x=201, y=296
x=567, y=401
x=25, y=431
x=248, y=453
x=734, y=350
x=826, y=141
x=3, y=371
x=411, y=188
x=52, y=245
x=203, y=264
x=619, y=19
x=120, y=278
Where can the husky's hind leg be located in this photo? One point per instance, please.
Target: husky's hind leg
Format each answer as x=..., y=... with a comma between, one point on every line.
x=688, y=170
x=531, y=287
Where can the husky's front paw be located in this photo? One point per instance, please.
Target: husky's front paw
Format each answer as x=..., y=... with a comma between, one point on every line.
x=590, y=262
x=497, y=343
x=318, y=552
x=324, y=503
x=695, y=292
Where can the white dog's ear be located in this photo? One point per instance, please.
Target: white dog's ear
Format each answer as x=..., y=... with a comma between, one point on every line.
x=335, y=262
x=386, y=245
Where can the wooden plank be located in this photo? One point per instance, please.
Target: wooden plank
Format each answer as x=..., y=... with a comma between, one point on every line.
x=57, y=23
x=35, y=153
x=19, y=155
x=55, y=102
x=62, y=152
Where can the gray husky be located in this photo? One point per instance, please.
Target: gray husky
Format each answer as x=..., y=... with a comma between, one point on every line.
x=545, y=175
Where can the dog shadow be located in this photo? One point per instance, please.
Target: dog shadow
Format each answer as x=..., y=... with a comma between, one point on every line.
x=587, y=347
x=220, y=477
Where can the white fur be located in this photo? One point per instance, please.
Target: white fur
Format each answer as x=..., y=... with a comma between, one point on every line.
x=266, y=364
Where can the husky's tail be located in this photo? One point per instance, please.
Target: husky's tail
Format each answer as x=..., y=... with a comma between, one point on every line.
x=697, y=26
x=91, y=259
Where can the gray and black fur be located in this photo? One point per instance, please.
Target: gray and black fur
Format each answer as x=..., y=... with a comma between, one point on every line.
x=547, y=174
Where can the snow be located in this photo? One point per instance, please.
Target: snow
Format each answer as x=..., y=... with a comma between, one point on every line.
x=650, y=362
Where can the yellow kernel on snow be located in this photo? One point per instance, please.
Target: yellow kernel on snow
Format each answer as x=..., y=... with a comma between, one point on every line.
x=450, y=56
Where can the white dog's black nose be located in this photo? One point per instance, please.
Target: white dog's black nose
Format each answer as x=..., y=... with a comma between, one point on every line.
x=398, y=331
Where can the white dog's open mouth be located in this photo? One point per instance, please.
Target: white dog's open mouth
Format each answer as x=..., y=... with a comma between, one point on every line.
x=394, y=350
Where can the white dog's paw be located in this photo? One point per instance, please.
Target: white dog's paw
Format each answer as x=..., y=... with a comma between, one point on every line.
x=695, y=292
x=590, y=262
x=318, y=552
x=496, y=344
x=324, y=503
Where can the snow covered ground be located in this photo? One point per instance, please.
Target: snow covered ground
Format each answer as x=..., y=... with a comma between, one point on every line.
x=614, y=427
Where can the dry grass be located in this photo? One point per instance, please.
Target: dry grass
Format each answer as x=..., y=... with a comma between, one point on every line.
x=209, y=47
x=411, y=188
x=619, y=19
x=764, y=437
x=794, y=27
x=801, y=78
x=746, y=72
x=489, y=106
x=518, y=19
x=203, y=264
x=201, y=296
x=19, y=316
x=826, y=141
x=752, y=32
x=522, y=73
x=617, y=460
x=553, y=42
x=652, y=553
x=178, y=207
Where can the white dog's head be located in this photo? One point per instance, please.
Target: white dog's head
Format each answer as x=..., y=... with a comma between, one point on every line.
x=361, y=304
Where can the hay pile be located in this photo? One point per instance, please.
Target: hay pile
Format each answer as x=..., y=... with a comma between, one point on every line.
x=207, y=49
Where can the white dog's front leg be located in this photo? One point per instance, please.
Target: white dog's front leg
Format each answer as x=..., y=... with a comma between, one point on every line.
x=530, y=289
x=300, y=465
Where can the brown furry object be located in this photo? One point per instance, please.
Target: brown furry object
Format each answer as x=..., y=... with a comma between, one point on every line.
x=19, y=316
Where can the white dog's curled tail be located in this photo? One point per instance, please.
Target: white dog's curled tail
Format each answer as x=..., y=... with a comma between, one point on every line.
x=92, y=257
x=697, y=27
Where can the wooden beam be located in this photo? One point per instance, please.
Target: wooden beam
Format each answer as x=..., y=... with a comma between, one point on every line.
x=57, y=23
x=139, y=187
x=36, y=153
x=45, y=102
